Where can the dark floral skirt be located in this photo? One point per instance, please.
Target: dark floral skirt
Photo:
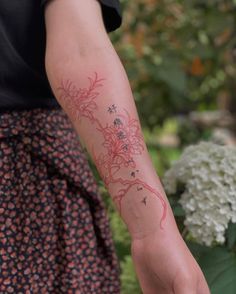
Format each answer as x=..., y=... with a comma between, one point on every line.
x=54, y=231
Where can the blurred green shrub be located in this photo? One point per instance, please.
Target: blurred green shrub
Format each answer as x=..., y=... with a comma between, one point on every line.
x=179, y=55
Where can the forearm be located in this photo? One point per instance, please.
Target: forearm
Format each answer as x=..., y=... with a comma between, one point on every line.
x=100, y=104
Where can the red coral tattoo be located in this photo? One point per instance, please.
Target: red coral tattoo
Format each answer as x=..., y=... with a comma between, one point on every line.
x=80, y=102
x=123, y=140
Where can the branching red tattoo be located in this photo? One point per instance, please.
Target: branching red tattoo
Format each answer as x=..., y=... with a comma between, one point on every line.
x=80, y=102
x=122, y=141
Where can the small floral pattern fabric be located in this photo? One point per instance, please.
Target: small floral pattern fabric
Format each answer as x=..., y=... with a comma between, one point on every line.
x=54, y=230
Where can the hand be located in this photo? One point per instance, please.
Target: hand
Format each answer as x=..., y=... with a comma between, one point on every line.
x=164, y=265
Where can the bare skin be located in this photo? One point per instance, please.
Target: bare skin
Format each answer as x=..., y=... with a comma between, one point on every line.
x=121, y=139
x=92, y=87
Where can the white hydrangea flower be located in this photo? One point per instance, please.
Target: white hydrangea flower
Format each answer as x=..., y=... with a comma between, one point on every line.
x=208, y=173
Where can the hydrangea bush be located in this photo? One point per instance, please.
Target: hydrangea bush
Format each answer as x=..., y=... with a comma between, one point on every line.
x=207, y=172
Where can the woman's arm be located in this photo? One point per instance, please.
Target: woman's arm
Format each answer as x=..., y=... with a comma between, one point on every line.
x=91, y=85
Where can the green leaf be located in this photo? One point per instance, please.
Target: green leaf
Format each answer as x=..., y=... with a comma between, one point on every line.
x=219, y=267
x=231, y=235
x=197, y=249
x=178, y=210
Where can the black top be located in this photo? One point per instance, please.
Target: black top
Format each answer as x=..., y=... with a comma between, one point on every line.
x=23, y=80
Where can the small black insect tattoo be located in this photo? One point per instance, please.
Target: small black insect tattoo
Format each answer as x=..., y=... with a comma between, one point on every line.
x=144, y=201
x=112, y=109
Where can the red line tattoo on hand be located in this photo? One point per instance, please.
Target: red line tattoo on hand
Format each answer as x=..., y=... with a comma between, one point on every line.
x=122, y=140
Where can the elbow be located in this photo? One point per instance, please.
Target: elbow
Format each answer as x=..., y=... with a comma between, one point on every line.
x=78, y=59
x=79, y=62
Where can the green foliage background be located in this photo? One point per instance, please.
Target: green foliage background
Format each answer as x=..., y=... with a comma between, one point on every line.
x=179, y=56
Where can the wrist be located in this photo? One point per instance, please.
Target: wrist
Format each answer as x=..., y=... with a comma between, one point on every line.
x=147, y=224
